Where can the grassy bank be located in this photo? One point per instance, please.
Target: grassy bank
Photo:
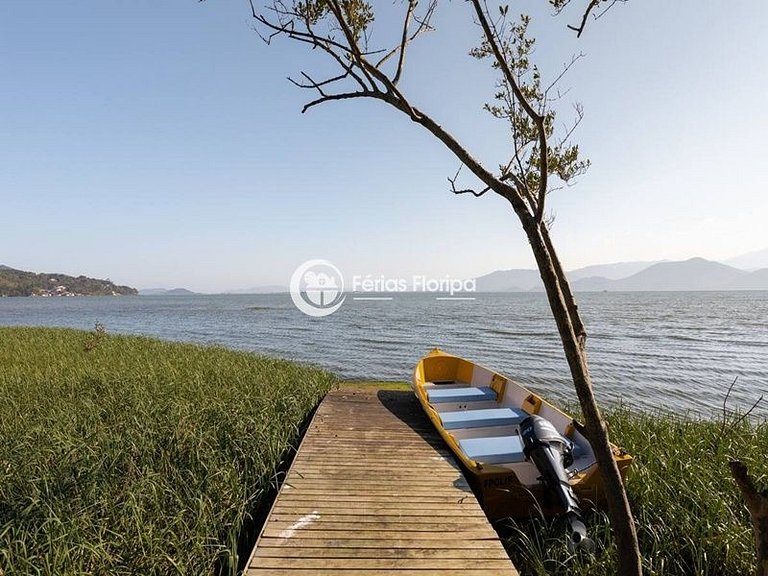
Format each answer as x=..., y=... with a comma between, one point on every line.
x=127, y=455
x=689, y=513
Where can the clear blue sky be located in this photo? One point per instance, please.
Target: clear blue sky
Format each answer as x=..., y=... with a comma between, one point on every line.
x=159, y=144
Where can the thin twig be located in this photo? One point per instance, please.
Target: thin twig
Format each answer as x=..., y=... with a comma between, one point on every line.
x=475, y=193
x=589, y=9
x=725, y=403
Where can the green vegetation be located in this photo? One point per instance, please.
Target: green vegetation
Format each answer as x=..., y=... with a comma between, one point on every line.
x=21, y=283
x=690, y=516
x=126, y=455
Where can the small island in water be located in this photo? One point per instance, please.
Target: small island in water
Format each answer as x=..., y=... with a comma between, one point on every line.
x=21, y=283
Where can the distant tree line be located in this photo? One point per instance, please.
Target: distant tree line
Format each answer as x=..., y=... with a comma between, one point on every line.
x=21, y=283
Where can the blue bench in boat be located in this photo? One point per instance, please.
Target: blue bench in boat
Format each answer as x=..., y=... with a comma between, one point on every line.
x=482, y=418
x=465, y=394
x=501, y=449
x=493, y=450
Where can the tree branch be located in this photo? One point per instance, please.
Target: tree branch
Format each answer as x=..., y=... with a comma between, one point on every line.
x=343, y=96
x=404, y=41
x=589, y=9
x=591, y=6
x=575, y=58
x=491, y=37
x=367, y=69
x=424, y=24
x=466, y=190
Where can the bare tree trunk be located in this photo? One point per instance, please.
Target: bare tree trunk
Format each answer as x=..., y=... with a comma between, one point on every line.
x=573, y=338
x=757, y=504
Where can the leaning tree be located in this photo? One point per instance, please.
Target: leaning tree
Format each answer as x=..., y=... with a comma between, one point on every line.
x=541, y=158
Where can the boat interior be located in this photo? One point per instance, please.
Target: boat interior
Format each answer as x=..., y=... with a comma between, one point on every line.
x=483, y=410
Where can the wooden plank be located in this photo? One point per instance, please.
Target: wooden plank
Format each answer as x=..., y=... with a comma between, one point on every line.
x=292, y=484
x=371, y=507
x=419, y=471
x=265, y=551
x=358, y=534
x=367, y=530
x=299, y=509
x=413, y=518
x=377, y=463
x=383, y=508
x=349, y=497
x=393, y=479
x=380, y=445
x=328, y=494
x=372, y=491
x=391, y=563
x=374, y=572
x=410, y=498
x=387, y=541
x=436, y=526
x=372, y=467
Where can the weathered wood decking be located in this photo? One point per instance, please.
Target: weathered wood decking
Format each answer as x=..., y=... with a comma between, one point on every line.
x=373, y=491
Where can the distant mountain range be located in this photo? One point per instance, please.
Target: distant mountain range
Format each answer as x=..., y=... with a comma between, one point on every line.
x=22, y=283
x=184, y=292
x=165, y=292
x=744, y=272
x=686, y=275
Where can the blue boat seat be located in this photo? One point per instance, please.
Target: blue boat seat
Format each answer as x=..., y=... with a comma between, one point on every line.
x=482, y=418
x=464, y=394
x=493, y=450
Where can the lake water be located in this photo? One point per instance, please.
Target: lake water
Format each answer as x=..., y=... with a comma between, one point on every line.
x=670, y=350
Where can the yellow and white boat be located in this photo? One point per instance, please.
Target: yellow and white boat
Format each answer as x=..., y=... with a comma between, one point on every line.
x=479, y=412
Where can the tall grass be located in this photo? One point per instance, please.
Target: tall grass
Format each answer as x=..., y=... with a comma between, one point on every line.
x=127, y=455
x=690, y=516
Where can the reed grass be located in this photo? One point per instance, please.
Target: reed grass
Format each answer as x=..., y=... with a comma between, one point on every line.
x=690, y=516
x=128, y=455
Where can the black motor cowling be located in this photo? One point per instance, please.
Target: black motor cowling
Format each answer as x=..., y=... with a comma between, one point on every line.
x=552, y=454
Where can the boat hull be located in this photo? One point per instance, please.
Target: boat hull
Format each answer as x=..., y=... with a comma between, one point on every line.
x=477, y=412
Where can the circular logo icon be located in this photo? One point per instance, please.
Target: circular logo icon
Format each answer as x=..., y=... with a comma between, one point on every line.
x=317, y=288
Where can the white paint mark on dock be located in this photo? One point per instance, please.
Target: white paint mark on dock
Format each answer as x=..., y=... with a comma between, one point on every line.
x=302, y=522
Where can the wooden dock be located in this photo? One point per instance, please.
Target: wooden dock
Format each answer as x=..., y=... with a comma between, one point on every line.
x=374, y=491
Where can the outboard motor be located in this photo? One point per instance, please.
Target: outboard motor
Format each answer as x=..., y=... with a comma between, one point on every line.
x=552, y=454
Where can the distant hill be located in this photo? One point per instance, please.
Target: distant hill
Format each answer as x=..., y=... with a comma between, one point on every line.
x=693, y=274
x=520, y=280
x=611, y=271
x=525, y=280
x=686, y=275
x=750, y=261
x=165, y=292
x=21, y=283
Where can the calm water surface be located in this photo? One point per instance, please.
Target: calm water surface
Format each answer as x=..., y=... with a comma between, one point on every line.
x=677, y=350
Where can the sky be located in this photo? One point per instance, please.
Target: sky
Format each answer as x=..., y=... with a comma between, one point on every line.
x=159, y=144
